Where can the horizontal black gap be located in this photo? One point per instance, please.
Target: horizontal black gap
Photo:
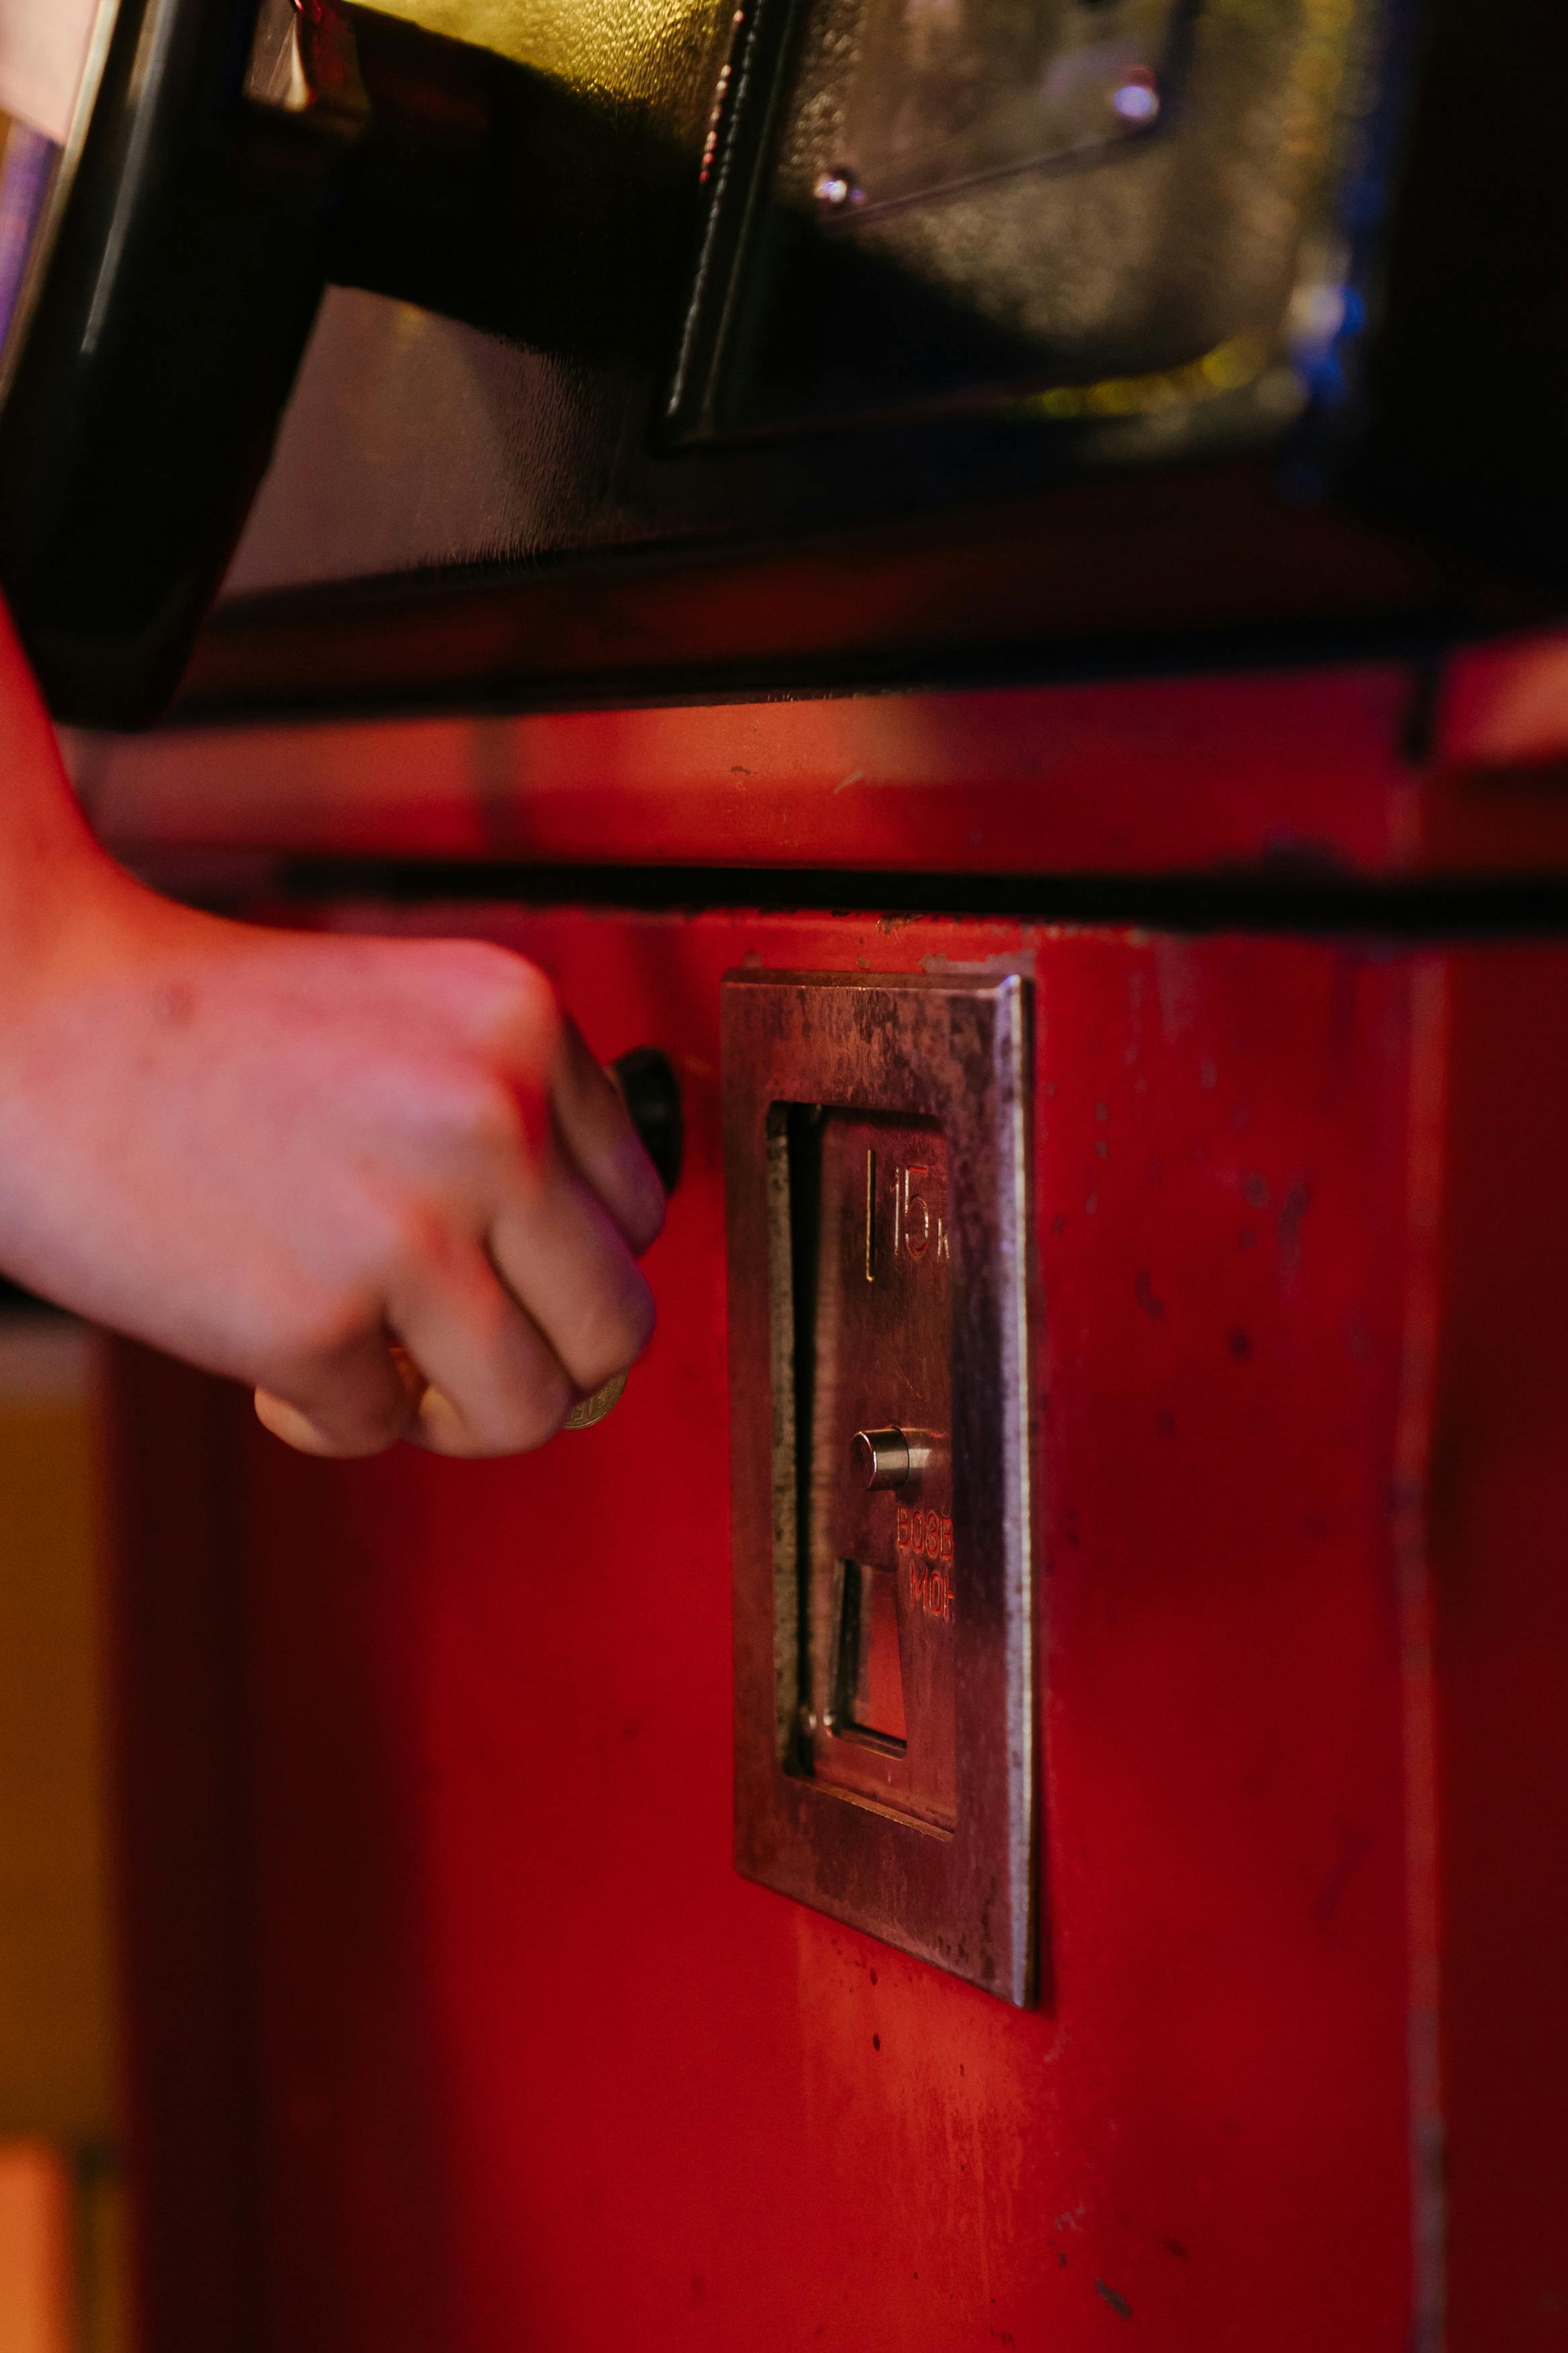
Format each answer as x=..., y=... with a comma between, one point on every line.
x=1267, y=899
x=1423, y=640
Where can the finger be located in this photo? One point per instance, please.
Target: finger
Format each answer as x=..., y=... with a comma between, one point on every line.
x=592, y=1121
x=495, y=1387
x=562, y=1255
x=359, y=1401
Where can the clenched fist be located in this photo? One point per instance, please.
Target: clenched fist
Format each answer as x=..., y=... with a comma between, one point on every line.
x=382, y=1182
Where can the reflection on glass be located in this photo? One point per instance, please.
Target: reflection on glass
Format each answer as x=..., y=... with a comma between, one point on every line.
x=49, y=50
x=43, y=47
x=626, y=52
x=946, y=92
x=27, y=165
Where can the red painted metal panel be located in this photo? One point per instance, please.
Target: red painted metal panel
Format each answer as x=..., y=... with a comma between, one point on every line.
x=1152, y=775
x=1504, y=705
x=1310, y=771
x=533, y=2066
x=1500, y=1509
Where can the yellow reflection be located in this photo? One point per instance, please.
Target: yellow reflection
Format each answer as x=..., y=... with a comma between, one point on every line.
x=1226, y=368
x=616, y=48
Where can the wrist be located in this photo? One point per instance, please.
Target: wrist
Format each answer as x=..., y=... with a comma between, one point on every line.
x=65, y=911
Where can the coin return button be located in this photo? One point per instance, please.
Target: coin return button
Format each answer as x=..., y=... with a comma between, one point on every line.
x=887, y=1458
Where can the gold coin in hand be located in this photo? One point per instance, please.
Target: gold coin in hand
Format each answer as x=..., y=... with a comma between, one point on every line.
x=590, y=1409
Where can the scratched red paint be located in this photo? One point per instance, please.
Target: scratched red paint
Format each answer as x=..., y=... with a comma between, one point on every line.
x=517, y=2058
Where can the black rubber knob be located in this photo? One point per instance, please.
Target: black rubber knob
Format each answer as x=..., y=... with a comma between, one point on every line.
x=647, y=1079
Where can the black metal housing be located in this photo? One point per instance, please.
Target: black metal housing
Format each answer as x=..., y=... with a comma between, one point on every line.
x=783, y=459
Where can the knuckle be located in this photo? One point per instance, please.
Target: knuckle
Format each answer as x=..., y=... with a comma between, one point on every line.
x=349, y=1409
x=470, y=967
x=534, y=1412
x=362, y=1425
x=512, y=1004
x=502, y=1137
x=641, y=1317
x=531, y=1002
x=614, y=1336
x=650, y=1206
x=316, y=1356
x=395, y=1239
x=490, y=1117
x=305, y=1337
x=525, y=1395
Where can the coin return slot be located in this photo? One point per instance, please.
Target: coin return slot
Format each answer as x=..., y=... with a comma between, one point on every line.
x=868, y=1678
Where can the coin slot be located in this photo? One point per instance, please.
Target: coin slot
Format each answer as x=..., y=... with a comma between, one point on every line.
x=873, y=1585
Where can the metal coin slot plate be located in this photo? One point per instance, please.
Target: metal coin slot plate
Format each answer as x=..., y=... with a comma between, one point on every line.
x=875, y=1147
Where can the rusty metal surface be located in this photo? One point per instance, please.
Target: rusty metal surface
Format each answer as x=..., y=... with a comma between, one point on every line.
x=836, y=1087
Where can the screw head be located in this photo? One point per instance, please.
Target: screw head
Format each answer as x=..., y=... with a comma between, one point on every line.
x=838, y=189
x=1135, y=98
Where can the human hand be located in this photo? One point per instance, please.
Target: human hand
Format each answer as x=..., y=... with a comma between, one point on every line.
x=293, y=1159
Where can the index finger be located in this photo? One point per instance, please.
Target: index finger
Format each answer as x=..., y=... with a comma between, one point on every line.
x=598, y=1133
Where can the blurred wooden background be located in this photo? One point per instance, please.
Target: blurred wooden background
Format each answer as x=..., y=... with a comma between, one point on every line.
x=62, y=2258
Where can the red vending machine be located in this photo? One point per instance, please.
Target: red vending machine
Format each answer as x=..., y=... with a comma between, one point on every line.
x=980, y=579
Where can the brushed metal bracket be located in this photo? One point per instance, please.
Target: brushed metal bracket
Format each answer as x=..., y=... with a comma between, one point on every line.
x=304, y=62
x=876, y=1179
